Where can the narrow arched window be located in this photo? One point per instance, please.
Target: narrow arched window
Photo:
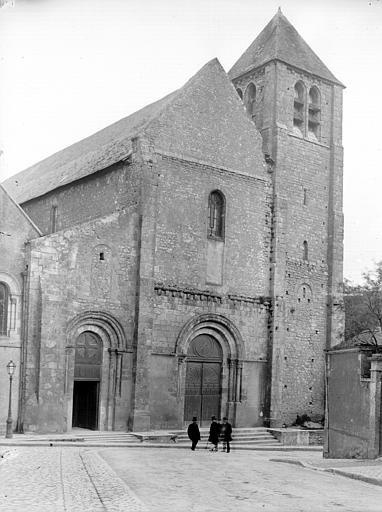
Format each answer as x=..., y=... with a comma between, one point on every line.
x=305, y=250
x=4, y=297
x=299, y=107
x=53, y=218
x=250, y=99
x=216, y=214
x=314, y=109
x=240, y=93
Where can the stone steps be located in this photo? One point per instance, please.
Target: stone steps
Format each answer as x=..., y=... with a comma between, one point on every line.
x=241, y=437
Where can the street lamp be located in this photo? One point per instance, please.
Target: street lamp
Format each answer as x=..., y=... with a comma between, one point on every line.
x=11, y=370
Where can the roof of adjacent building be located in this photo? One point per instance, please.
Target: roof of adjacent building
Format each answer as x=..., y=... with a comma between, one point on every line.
x=363, y=339
x=279, y=40
x=204, y=120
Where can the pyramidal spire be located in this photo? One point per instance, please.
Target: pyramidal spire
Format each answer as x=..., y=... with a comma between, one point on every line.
x=279, y=40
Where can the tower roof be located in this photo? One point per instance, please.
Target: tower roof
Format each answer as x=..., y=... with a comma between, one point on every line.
x=279, y=40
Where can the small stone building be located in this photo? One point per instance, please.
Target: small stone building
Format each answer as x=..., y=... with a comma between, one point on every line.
x=353, y=420
x=189, y=258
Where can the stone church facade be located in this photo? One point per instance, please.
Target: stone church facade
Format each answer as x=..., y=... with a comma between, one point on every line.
x=186, y=260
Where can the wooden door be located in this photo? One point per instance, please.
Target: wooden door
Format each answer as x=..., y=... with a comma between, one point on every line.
x=203, y=380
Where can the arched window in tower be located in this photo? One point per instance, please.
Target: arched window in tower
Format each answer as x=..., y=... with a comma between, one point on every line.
x=216, y=214
x=305, y=253
x=314, y=121
x=240, y=93
x=250, y=99
x=299, y=108
x=4, y=297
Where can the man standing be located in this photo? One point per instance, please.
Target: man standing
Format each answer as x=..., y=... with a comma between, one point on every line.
x=214, y=434
x=226, y=434
x=193, y=432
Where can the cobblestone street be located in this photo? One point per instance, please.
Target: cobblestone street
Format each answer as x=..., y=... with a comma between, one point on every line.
x=63, y=479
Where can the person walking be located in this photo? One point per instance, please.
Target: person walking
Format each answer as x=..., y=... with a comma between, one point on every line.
x=194, y=432
x=214, y=434
x=226, y=435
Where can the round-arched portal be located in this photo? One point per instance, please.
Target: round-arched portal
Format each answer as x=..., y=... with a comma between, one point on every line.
x=97, y=353
x=203, y=379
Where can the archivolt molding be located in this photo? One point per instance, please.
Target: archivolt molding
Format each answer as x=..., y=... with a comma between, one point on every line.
x=103, y=324
x=14, y=287
x=215, y=325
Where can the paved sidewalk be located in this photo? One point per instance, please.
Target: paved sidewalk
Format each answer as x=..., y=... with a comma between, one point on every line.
x=202, y=481
x=108, y=439
x=366, y=470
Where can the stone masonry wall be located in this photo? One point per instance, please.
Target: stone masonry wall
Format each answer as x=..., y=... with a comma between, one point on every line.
x=15, y=230
x=98, y=194
x=308, y=194
x=182, y=226
x=304, y=177
x=182, y=291
x=69, y=279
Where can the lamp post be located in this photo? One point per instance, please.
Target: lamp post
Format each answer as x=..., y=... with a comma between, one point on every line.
x=11, y=370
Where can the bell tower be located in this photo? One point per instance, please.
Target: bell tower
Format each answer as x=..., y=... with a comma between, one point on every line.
x=296, y=104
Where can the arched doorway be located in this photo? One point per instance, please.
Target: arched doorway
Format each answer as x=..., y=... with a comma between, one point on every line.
x=87, y=377
x=203, y=379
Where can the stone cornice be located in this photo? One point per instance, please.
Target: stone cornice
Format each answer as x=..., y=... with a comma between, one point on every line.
x=193, y=294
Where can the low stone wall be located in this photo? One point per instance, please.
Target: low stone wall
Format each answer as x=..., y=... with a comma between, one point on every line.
x=298, y=437
x=157, y=437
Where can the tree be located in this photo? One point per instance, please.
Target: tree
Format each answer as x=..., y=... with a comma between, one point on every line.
x=363, y=307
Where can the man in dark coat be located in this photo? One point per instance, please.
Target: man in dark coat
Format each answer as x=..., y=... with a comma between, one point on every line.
x=226, y=434
x=214, y=434
x=193, y=432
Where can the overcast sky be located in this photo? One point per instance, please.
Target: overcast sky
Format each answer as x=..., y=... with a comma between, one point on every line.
x=69, y=68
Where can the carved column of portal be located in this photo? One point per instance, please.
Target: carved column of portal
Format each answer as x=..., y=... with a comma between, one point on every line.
x=239, y=380
x=110, y=387
x=231, y=412
x=68, y=386
x=117, y=378
x=180, y=389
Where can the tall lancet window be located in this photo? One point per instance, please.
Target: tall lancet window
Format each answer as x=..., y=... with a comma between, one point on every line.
x=216, y=215
x=305, y=254
x=250, y=99
x=4, y=297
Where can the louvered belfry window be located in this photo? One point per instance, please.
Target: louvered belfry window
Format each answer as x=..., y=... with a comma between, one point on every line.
x=299, y=107
x=216, y=214
x=4, y=295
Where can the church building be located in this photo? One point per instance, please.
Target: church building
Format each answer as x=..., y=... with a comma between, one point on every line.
x=184, y=261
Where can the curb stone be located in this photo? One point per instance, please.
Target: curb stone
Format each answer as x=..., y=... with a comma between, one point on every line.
x=355, y=476
x=335, y=471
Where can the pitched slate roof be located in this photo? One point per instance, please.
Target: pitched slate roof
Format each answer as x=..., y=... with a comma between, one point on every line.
x=83, y=158
x=205, y=119
x=279, y=40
